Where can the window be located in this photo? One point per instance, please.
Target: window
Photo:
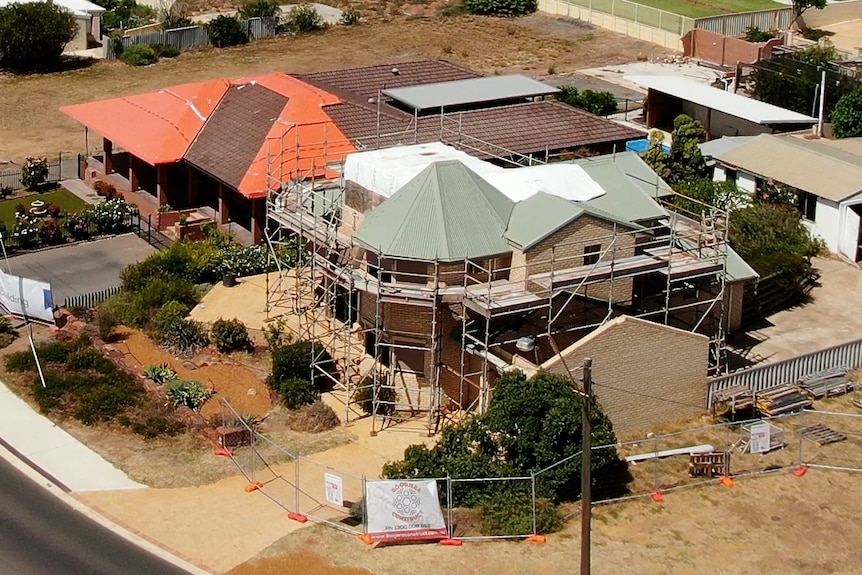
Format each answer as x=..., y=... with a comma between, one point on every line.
x=592, y=254
x=730, y=175
x=807, y=204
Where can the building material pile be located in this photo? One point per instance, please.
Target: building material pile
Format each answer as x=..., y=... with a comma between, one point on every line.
x=782, y=399
x=821, y=434
x=827, y=383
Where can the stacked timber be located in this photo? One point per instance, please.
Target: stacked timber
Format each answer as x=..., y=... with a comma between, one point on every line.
x=732, y=399
x=782, y=399
x=827, y=383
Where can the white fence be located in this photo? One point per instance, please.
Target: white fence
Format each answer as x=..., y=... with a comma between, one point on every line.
x=190, y=36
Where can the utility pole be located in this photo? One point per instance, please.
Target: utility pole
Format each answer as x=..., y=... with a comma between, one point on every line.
x=586, y=466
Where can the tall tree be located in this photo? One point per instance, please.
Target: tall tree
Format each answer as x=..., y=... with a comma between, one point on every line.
x=684, y=161
x=800, y=6
x=846, y=117
x=34, y=34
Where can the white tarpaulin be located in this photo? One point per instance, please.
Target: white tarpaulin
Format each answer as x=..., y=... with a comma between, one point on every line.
x=404, y=511
x=25, y=297
x=385, y=171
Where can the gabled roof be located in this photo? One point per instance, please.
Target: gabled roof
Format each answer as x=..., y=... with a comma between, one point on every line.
x=722, y=145
x=446, y=213
x=539, y=216
x=812, y=166
x=729, y=103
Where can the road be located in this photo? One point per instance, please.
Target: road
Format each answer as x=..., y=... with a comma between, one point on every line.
x=41, y=535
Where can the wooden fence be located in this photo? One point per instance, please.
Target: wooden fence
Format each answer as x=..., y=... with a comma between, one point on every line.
x=190, y=36
x=765, y=377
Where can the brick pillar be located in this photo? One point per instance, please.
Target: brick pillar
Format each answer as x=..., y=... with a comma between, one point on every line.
x=193, y=186
x=223, y=209
x=108, y=147
x=258, y=220
x=133, y=173
x=162, y=184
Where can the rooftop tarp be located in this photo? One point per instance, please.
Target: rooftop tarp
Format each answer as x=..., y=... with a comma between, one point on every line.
x=728, y=103
x=808, y=165
x=470, y=91
x=387, y=170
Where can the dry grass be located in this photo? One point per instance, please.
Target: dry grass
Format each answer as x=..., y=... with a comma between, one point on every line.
x=31, y=124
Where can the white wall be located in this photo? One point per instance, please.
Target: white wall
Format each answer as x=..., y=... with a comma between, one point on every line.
x=827, y=223
x=746, y=182
x=849, y=239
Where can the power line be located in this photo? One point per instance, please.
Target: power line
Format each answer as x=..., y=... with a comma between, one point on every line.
x=646, y=395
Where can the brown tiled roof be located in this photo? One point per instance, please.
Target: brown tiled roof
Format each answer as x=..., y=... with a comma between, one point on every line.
x=522, y=128
x=232, y=136
x=363, y=83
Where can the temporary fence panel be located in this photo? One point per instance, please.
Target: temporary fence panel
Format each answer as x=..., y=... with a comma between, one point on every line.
x=737, y=24
x=765, y=377
x=326, y=494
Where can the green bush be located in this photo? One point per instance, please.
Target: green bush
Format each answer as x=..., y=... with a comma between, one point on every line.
x=165, y=51
x=106, y=401
x=846, y=117
x=501, y=7
x=139, y=55
x=453, y=10
x=296, y=392
x=364, y=395
x=596, y=102
x=304, y=19
x=157, y=426
x=170, y=313
x=294, y=361
x=106, y=321
x=33, y=34
x=189, y=393
x=26, y=231
x=260, y=9
x=34, y=172
x=93, y=397
x=316, y=417
x=51, y=233
x=813, y=34
x=756, y=35
x=225, y=31
x=6, y=326
x=357, y=510
x=51, y=352
x=90, y=359
x=277, y=334
x=350, y=17
x=230, y=335
x=510, y=512
x=183, y=336
x=160, y=374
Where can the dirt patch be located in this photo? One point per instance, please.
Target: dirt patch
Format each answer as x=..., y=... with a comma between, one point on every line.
x=301, y=562
x=31, y=123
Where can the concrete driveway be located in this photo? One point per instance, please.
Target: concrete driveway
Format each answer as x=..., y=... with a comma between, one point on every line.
x=830, y=317
x=82, y=268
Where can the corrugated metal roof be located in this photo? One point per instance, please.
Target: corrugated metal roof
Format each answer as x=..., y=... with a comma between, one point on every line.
x=622, y=198
x=808, y=165
x=469, y=91
x=539, y=216
x=727, y=102
x=719, y=146
x=638, y=172
x=446, y=213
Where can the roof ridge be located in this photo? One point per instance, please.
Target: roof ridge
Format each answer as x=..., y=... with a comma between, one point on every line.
x=789, y=140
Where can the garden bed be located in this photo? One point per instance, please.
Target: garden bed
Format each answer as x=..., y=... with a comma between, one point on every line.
x=66, y=200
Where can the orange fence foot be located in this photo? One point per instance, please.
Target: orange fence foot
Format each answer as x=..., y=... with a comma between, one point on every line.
x=727, y=481
x=298, y=517
x=451, y=542
x=536, y=538
x=657, y=496
x=800, y=470
x=222, y=452
x=365, y=538
x=253, y=486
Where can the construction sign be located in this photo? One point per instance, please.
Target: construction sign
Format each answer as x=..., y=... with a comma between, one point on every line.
x=404, y=511
x=26, y=298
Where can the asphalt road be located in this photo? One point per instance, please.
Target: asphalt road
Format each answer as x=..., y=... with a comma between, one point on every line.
x=41, y=535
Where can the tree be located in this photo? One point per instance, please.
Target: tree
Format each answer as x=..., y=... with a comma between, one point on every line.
x=260, y=9
x=34, y=34
x=596, y=102
x=501, y=7
x=304, y=19
x=697, y=195
x=530, y=424
x=773, y=240
x=846, y=117
x=684, y=162
x=226, y=31
x=801, y=6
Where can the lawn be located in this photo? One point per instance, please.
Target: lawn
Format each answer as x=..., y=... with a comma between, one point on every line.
x=68, y=201
x=710, y=7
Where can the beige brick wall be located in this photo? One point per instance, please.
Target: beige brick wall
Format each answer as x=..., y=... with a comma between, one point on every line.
x=566, y=248
x=643, y=362
x=733, y=306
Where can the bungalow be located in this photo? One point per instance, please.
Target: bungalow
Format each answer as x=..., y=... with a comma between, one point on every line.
x=827, y=175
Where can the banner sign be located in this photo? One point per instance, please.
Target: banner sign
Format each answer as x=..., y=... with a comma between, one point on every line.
x=760, y=438
x=404, y=511
x=334, y=489
x=25, y=297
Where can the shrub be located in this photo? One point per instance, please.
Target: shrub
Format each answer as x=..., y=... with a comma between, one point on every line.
x=51, y=233
x=8, y=333
x=102, y=188
x=90, y=359
x=296, y=392
x=453, y=10
x=314, y=418
x=846, y=117
x=26, y=231
x=111, y=216
x=160, y=373
x=106, y=321
x=230, y=335
x=116, y=40
x=165, y=50
x=501, y=7
x=77, y=226
x=304, y=19
x=277, y=334
x=5, y=191
x=294, y=361
x=34, y=172
x=813, y=34
x=169, y=313
x=596, y=102
x=105, y=401
x=181, y=336
x=226, y=31
x=510, y=512
x=189, y=393
x=157, y=426
x=357, y=510
x=139, y=55
x=33, y=35
x=54, y=210
x=260, y=9
x=51, y=352
x=756, y=35
x=364, y=395
x=350, y=17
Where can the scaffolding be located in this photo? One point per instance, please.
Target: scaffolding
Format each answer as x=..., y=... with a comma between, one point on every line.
x=348, y=299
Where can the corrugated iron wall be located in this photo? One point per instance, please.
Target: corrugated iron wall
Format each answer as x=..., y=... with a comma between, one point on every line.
x=737, y=24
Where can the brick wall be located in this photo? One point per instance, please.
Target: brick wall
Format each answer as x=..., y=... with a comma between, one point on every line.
x=733, y=306
x=725, y=50
x=566, y=248
x=645, y=363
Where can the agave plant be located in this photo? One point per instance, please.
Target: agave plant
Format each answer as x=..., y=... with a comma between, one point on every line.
x=160, y=373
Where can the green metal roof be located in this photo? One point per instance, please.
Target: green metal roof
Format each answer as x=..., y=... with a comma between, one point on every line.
x=623, y=198
x=638, y=172
x=737, y=269
x=539, y=216
x=446, y=213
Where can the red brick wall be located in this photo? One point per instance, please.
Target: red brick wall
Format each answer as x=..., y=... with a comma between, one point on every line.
x=726, y=50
